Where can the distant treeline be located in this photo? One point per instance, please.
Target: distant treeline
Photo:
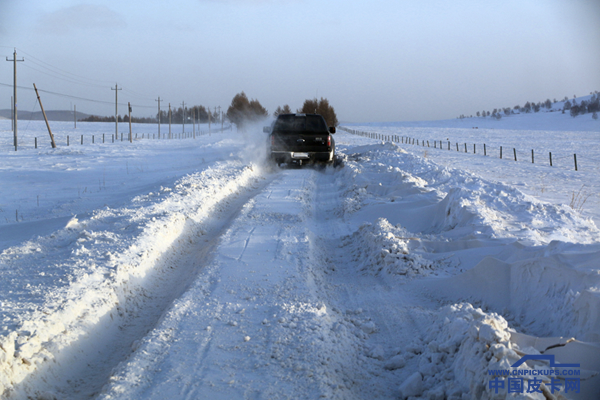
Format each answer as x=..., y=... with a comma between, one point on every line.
x=573, y=107
x=243, y=110
x=195, y=113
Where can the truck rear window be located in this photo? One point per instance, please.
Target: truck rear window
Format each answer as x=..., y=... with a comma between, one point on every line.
x=297, y=123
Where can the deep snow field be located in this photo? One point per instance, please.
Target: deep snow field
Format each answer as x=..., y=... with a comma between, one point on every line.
x=191, y=269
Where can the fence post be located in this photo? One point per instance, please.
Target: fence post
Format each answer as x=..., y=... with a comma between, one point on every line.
x=67, y=140
x=575, y=158
x=36, y=142
x=474, y=151
x=500, y=151
x=550, y=158
x=456, y=146
x=81, y=139
x=465, y=148
x=515, y=151
x=484, y=150
x=532, y=159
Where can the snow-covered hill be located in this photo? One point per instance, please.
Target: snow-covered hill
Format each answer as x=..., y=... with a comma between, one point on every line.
x=189, y=268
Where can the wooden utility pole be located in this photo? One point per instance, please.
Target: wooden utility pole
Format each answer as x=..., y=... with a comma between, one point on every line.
x=116, y=89
x=14, y=60
x=130, y=136
x=169, y=120
x=158, y=116
x=45, y=119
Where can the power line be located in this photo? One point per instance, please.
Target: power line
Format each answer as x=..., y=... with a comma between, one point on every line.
x=59, y=73
x=66, y=79
x=62, y=71
x=74, y=97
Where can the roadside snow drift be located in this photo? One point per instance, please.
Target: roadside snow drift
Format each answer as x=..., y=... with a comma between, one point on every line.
x=214, y=275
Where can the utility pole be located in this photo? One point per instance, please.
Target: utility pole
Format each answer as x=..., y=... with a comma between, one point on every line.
x=183, y=114
x=14, y=60
x=158, y=116
x=116, y=89
x=130, y=135
x=45, y=119
x=209, y=121
x=75, y=115
x=169, y=120
x=194, y=121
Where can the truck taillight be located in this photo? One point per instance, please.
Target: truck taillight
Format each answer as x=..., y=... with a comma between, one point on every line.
x=329, y=140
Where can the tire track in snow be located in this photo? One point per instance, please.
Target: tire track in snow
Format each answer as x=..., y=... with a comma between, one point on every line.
x=263, y=330
x=77, y=363
x=374, y=319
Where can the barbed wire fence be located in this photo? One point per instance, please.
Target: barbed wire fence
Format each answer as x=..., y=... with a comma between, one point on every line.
x=553, y=160
x=103, y=138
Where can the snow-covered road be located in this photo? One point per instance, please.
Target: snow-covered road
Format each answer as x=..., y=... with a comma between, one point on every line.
x=390, y=277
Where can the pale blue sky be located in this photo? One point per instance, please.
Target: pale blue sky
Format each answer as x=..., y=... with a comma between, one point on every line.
x=376, y=60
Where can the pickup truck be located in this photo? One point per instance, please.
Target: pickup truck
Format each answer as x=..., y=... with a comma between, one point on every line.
x=301, y=139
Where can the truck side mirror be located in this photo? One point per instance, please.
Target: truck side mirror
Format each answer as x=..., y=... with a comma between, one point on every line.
x=332, y=129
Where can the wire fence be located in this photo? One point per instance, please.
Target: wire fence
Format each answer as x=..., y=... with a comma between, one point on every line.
x=472, y=148
x=32, y=142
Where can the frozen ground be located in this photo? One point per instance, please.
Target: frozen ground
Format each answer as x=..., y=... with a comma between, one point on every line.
x=190, y=269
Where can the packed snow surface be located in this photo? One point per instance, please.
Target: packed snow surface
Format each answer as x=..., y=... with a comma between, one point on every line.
x=191, y=268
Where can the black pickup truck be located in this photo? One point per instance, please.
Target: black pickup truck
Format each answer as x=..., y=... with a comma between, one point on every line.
x=301, y=139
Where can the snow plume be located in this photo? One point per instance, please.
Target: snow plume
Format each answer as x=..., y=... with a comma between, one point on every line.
x=255, y=142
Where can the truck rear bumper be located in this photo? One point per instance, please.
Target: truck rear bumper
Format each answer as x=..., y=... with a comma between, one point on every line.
x=293, y=156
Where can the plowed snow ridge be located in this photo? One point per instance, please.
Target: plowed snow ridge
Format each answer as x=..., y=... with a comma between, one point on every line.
x=390, y=277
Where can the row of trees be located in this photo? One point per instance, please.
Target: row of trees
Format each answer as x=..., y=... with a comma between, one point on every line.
x=322, y=107
x=195, y=113
x=592, y=106
x=313, y=106
x=243, y=111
